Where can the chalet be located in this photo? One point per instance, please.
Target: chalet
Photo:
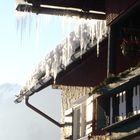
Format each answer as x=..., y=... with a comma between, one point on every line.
x=98, y=73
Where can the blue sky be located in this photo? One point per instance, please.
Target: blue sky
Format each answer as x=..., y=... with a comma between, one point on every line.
x=18, y=57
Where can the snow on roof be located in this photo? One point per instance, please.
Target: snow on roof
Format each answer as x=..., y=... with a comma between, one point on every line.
x=80, y=41
x=20, y=2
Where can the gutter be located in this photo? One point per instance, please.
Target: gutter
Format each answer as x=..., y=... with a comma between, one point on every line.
x=42, y=113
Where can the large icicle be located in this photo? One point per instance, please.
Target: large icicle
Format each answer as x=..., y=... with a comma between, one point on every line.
x=23, y=21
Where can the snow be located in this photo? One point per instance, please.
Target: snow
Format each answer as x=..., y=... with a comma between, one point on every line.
x=20, y=2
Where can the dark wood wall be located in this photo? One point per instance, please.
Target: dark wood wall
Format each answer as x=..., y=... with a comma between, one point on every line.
x=122, y=17
x=125, y=62
x=89, y=71
x=116, y=7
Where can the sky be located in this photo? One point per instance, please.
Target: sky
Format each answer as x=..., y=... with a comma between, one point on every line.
x=21, y=48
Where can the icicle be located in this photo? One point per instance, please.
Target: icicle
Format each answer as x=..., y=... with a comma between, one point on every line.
x=64, y=56
x=37, y=30
x=23, y=21
x=47, y=69
x=23, y=24
x=29, y=23
x=68, y=48
x=74, y=42
x=104, y=28
x=42, y=67
x=63, y=23
x=98, y=36
x=67, y=43
x=48, y=19
x=81, y=40
x=47, y=66
x=86, y=36
x=51, y=61
x=54, y=68
x=93, y=31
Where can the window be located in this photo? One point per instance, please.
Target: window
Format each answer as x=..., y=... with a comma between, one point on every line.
x=122, y=106
x=136, y=99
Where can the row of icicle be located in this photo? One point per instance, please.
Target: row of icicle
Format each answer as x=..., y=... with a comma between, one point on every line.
x=86, y=35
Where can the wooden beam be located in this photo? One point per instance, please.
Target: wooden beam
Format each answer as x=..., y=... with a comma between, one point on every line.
x=96, y=5
x=59, y=12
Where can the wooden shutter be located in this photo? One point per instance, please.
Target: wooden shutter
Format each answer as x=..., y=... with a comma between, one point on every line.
x=68, y=122
x=76, y=123
x=136, y=99
x=89, y=115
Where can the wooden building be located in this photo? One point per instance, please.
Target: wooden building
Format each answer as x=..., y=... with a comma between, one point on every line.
x=100, y=95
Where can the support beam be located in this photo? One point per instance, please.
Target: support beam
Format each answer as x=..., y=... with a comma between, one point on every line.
x=86, y=5
x=112, y=49
x=60, y=11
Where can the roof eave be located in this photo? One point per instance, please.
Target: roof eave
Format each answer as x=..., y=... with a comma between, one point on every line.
x=61, y=11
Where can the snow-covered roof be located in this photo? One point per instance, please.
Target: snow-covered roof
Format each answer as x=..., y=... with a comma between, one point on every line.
x=88, y=35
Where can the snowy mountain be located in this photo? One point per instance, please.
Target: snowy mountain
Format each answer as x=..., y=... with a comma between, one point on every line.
x=8, y=91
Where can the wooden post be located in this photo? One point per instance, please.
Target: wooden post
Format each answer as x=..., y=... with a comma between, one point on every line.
x=112, y=49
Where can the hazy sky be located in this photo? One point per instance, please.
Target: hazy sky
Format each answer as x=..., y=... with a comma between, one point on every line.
x=18, y=122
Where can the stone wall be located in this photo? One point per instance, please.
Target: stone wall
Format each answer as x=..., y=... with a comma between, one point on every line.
x=69, y=95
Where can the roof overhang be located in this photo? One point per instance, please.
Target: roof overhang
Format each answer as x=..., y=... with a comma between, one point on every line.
x=95, y=5
x=84, y=9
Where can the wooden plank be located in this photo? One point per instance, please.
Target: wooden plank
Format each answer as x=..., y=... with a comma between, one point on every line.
x=95, y=5
x=89, y=115
x=59, y=11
